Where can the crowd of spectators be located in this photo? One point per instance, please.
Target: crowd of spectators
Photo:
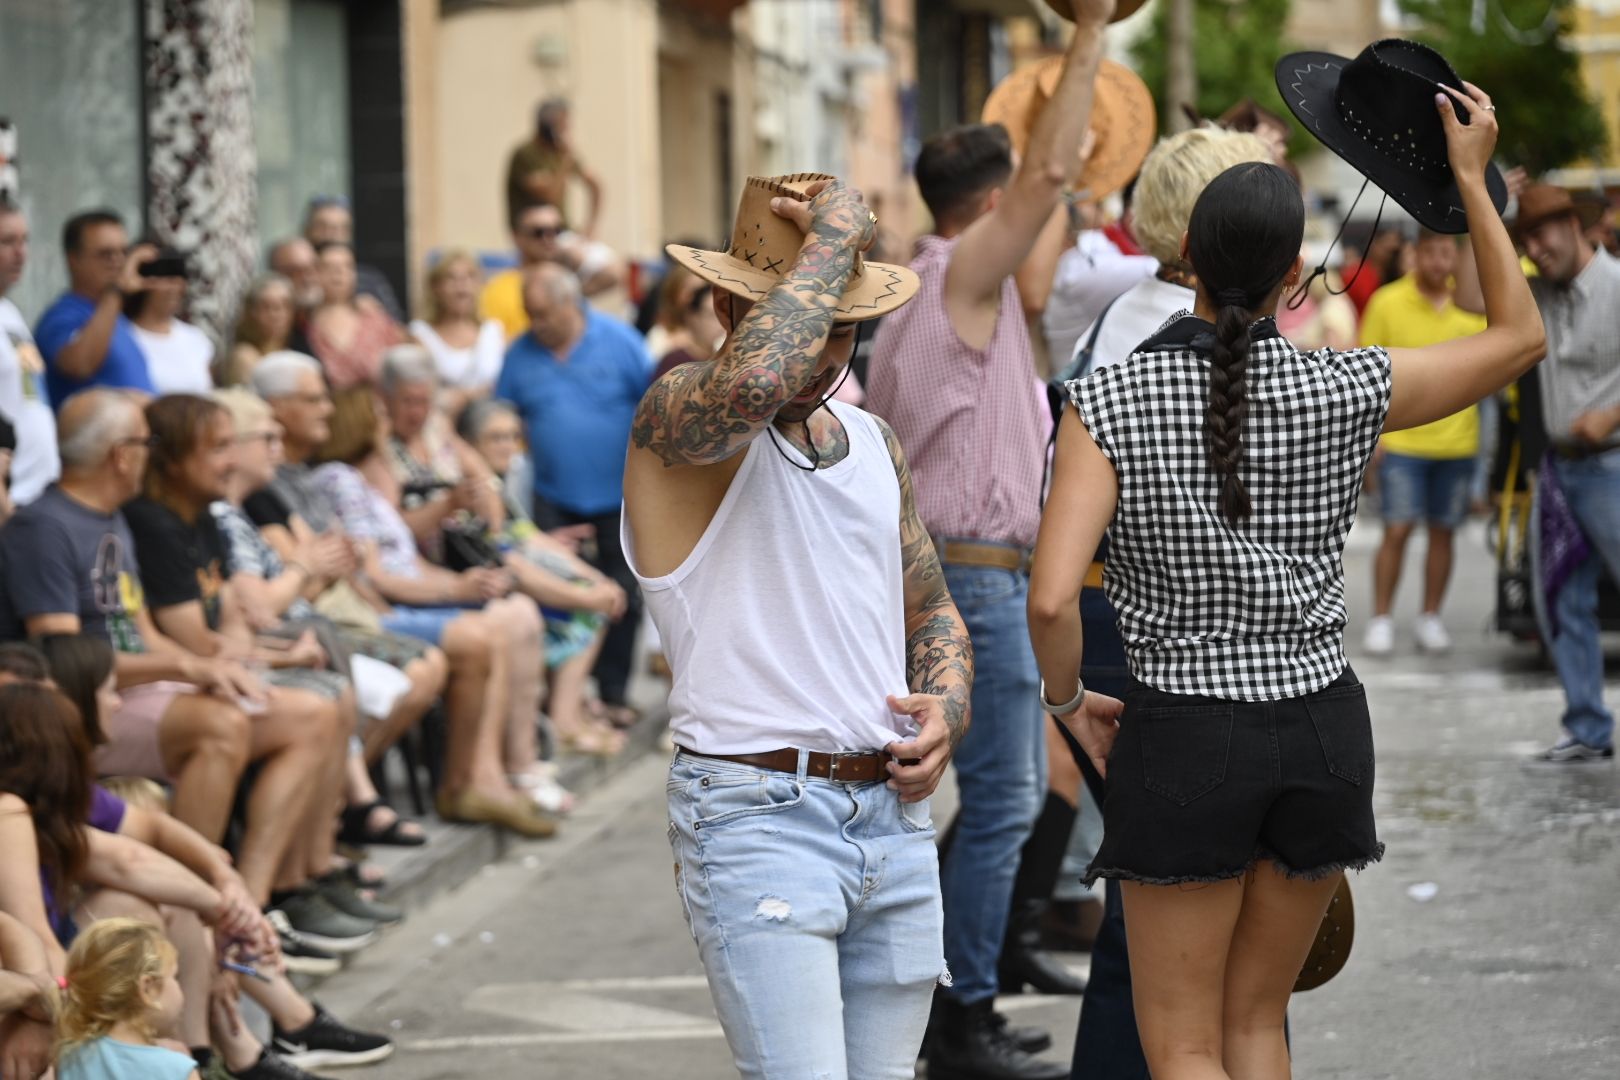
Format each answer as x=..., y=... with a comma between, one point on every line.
x=235, y=573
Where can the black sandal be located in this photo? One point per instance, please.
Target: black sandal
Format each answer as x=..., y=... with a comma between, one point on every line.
x=356, y=828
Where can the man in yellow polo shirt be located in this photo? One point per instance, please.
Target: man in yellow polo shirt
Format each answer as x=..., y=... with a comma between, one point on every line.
x=1426, y=472
x=539, y=235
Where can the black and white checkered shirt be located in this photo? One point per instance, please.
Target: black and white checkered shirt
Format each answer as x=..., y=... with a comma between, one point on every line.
x=1253, y=612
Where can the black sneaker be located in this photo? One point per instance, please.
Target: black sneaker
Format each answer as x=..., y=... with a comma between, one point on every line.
x=970, y=1045
x=1567, y=751
x=348, y=898
x=296, y=951
x=323, y=925
x=326, y=1041
x=268, y=1067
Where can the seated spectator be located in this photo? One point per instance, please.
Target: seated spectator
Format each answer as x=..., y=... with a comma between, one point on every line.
x=123, y=993
x=293, y=507
x=348, y=332
x=466, y=349
x=438, y=475
x=294, y=259
x=23, y=400
x=179, y=357
x=276, y=595
x=575, y=380
x=540, y=237
x=81, y=667
x=68, y=564
x=574, y=624
x=686, y=312
x=265, y=326
x=328, y=220
x=84, y=336
x=430, y=599
x=182, y=556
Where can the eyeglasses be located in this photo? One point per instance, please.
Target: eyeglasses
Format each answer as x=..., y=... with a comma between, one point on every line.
x=543, y=232
x=148, y=441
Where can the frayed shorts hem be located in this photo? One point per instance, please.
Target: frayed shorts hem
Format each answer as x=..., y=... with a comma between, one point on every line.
x=1313, y=873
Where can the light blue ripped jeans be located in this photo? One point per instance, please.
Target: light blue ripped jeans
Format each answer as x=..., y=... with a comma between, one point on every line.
x=815, y=907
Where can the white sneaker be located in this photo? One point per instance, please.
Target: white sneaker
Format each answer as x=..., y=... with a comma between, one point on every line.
x=1431, y=634
x=1380, y=639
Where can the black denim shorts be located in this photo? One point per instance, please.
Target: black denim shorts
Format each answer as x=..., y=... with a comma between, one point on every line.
x=1200, y=789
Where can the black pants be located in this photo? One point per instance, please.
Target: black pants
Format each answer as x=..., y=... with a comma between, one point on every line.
x=613, y=665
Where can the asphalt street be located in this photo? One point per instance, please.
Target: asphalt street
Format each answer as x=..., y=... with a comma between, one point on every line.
x=1486, y=945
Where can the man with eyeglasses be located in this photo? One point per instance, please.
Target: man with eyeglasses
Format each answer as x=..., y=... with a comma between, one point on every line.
x=85, y=339
x=541, y=237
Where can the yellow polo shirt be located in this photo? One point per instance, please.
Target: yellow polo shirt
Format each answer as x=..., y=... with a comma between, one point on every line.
x=1400, y=317
x=502, y=300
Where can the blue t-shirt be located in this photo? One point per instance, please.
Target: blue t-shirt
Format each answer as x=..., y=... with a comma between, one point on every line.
x=577, y=412
x=109, y=1059
x=125, y=365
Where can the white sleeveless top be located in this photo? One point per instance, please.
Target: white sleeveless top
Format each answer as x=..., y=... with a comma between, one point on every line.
x=785, y=626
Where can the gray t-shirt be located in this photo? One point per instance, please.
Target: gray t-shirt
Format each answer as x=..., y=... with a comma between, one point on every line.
x=58, y=556
x=1582, y=368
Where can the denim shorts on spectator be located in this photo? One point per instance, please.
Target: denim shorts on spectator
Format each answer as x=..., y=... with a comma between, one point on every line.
x=1431, y=491
x=1200, y=789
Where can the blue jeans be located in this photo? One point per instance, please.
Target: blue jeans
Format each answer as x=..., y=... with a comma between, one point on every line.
x=1000, y=771
x=815, y=908
x=1592, y=487
x=1431, y=490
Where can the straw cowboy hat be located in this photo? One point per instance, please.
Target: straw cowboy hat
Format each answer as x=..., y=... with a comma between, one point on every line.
x=1540, y=203
x=1377, y=112
x=1123, y=120
x=1123, y=10
x=764, y=247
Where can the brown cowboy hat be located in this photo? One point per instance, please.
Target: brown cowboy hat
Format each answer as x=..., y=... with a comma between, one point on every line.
x=1122, y=10
x=1540, y=203
x=764, y=247
x=1123, y=120
x=1331, y=949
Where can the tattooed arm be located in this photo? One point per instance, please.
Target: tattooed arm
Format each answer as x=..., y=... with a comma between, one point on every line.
x=701, y=414
x=939, y=656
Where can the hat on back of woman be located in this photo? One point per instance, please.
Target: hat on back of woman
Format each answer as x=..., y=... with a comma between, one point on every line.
x=1377, y=112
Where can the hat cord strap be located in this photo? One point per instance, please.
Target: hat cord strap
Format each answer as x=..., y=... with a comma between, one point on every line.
x=1321, y=270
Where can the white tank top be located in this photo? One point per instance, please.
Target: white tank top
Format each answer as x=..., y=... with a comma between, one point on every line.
x=785, y=626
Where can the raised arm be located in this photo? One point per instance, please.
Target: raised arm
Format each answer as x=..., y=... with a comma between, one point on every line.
x=939, y=655
x=1434, y=382
x=997, y=244
x=702, y=414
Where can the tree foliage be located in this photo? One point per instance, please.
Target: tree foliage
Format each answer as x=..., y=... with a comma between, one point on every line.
x=1235, y=48
x=1547, y=116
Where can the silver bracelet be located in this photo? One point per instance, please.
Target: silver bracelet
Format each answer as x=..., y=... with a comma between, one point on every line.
x=1068, y=707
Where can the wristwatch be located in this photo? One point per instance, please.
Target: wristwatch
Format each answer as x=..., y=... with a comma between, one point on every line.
x=1067, y=707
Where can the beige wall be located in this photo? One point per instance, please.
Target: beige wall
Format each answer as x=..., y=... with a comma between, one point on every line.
x=693, y=69
x=494, y=66
x=875, y=163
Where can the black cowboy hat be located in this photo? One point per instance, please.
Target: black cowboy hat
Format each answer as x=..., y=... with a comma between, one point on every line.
x=1378, y=113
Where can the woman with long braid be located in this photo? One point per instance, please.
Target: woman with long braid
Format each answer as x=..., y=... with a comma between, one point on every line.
x=1225, y=466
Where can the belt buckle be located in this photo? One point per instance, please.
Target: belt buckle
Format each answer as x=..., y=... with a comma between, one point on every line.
x=834, y=760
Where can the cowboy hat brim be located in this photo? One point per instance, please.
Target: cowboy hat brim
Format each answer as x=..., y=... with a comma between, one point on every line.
x=881, y=288
x=1586, y=213
x=1122, y=116
x=1124, y=9
x=1307, y=81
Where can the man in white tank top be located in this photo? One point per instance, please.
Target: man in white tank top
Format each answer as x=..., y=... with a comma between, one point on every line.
x=821, y=672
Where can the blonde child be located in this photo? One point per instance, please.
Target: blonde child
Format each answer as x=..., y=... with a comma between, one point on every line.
x=121, y=997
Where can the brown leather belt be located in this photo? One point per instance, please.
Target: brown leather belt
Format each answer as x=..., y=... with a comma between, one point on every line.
x=854, y=768
x=1570, y=450
x=1094, y=574
x=997, y=556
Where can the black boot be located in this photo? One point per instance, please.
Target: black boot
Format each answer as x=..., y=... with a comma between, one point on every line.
x=1031, y=1040
x=1024, y=962
x=972, y=1043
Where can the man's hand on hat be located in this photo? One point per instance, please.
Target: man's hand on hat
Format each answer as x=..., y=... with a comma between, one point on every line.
x=832, y=209
x=1092, y=11
x=1469, y=145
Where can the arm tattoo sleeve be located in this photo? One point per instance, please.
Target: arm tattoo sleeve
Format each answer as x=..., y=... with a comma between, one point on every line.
x=700, y=414
x=939, y=655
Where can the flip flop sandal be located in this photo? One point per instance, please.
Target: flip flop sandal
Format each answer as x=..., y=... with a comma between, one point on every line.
x=356, y=828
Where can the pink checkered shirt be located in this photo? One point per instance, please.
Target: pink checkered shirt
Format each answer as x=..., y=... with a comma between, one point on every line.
x=973, y=423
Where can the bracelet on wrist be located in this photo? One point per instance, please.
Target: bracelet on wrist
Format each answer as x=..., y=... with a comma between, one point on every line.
x=1067, y=707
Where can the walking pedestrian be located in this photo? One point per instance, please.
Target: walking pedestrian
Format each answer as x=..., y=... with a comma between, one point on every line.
x=1244, y=758
x=821, y=671
x=1424, y=474
x=954, y=374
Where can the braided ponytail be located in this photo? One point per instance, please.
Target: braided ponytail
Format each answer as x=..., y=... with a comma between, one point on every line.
x=1243, y=238
x=1229, y=403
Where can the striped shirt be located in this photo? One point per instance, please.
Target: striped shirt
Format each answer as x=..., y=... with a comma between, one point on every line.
x=1582, y=368
x=1253, y=612
x=971, y=421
